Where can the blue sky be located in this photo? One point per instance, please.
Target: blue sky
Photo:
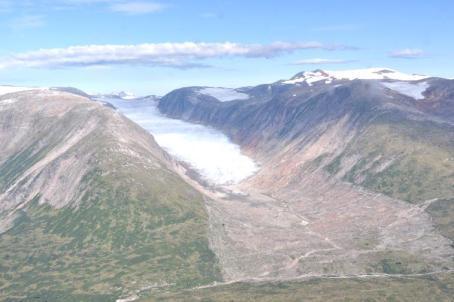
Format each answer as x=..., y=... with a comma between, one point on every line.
x=151, y=47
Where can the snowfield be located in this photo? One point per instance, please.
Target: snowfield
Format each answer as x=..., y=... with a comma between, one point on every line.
x=311, y=77
x=413, y=90
x=208, y=151
x=224, y=94
x=375, y=74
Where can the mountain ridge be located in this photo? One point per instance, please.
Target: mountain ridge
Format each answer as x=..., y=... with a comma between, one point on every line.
x=349, y=158
x=92, y=208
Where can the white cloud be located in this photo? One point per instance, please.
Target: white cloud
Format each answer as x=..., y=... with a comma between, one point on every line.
x=319, y=61
x=179, y=55
x=137, y=8
x=407, y=53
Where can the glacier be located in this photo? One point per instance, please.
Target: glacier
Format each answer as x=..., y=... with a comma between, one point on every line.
x=208, y=151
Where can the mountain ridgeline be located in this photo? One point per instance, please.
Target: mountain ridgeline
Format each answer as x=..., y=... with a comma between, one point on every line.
x=358, y=172
x=91, y=208
x=356, y=130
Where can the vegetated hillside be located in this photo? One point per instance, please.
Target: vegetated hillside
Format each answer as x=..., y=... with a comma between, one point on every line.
x=360, y=176
x=90, y=206
x=358, y=131
x=423, y=288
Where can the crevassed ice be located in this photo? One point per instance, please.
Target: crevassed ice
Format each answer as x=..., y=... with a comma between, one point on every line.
x=210, y=152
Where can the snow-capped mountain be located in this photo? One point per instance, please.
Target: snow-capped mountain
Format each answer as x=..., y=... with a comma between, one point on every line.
x=124, y=95
x=311, y=77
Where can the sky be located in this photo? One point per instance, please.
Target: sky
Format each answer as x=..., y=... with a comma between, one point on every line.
x=152, y=47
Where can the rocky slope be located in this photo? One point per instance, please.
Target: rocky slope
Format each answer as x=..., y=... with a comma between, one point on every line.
x=356, y=174
x=355, y=190
x=359, y=131
x=91, y=208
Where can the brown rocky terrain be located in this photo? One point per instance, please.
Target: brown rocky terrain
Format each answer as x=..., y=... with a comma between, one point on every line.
x=348, y=170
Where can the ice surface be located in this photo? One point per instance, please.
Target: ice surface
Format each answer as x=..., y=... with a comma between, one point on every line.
x=210, y=152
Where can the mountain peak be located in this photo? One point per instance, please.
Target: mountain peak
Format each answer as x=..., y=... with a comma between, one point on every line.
x=125, y=95
x=375, y=73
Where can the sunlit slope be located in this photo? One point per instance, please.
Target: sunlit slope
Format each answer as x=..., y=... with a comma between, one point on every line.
x=360, y=131
x=436, y=287
x=90, y=205
x=405, y=159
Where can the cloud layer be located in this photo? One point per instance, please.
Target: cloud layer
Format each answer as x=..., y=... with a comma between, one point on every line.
x=178, y=55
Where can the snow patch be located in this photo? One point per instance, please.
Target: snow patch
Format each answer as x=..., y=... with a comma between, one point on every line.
x=413, y=90
x=8, y=101
x=375, y=74
x=125, y=95
x=224, y=94
x=311, y=77
x=11, y=89
x=210, y=152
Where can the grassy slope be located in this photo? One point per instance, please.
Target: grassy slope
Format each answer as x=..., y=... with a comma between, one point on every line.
x=135, y=228
x=432, y=288
x=442, y=212
x=422, y=166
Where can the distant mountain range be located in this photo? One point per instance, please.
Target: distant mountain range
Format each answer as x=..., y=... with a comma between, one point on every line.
x=354, y=189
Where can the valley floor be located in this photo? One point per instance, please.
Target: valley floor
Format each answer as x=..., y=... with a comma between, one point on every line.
x=357, y=246
x=432, y=287
x=258, y=237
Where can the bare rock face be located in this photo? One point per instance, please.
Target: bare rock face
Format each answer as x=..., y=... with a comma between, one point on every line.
x=89, y=200
x=50, y=142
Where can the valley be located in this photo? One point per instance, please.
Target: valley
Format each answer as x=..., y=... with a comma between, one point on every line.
x=319, y=182
x=265, y=229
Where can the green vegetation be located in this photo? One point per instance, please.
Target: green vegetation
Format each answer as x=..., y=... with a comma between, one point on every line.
x=442, y=212
x=404, y=159
x=436, y=288
x=334, y=166
x=133, y=228
x=15, y=166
